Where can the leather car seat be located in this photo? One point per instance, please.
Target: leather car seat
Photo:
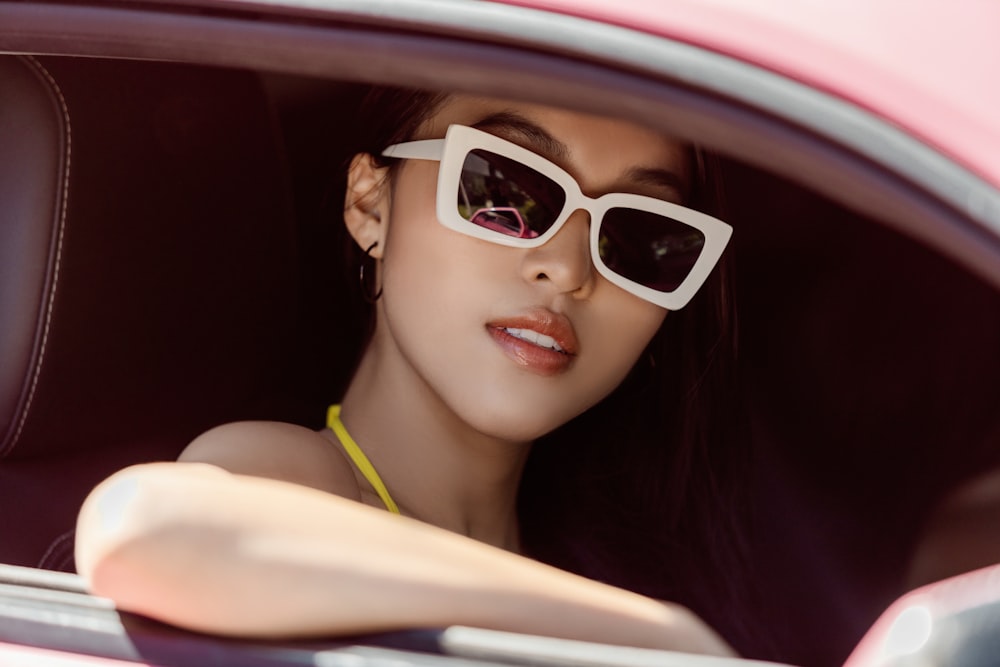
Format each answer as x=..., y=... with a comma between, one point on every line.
x=147, y=276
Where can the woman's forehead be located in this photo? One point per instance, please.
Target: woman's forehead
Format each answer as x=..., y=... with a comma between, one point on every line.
x=600, y=151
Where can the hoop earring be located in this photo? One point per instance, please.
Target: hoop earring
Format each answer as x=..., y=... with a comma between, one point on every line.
x=366, y=291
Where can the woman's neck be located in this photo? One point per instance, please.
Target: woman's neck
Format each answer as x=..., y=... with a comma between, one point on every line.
x=436, y=466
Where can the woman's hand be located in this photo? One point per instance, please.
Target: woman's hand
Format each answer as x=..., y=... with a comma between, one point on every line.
x=193, y=545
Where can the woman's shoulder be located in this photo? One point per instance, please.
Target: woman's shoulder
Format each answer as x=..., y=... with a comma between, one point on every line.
x=277, y=450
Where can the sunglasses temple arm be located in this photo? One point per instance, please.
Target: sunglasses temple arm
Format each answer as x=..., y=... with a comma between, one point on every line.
x=426, y=149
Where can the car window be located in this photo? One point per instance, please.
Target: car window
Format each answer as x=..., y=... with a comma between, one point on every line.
x=866, y=268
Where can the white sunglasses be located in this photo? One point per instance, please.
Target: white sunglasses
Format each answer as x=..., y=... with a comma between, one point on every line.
x=495, y=190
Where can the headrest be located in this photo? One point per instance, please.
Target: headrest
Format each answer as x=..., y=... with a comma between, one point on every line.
x=34, y=143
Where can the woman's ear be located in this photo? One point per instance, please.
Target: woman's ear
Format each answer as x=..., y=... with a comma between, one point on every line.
x=366, y=204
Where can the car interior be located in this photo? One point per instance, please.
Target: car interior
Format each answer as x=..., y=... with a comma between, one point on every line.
x=166, y=266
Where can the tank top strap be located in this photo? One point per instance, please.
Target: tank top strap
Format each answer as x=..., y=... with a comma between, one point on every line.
x=357, y=456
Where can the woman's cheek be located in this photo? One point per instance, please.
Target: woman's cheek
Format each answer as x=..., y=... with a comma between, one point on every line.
x=627, y=328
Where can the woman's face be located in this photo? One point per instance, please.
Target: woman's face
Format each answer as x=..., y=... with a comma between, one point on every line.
x=473, y=322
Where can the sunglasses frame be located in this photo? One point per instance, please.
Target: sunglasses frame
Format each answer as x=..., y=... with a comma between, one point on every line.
x=460, y=140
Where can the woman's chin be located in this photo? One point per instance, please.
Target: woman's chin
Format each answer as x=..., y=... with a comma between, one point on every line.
x=521, y=423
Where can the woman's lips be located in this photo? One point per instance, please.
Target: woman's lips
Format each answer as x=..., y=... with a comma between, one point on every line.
x=540, y=341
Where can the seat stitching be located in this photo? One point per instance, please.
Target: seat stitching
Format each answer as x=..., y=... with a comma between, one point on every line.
x=58, y=258
x=56, y=543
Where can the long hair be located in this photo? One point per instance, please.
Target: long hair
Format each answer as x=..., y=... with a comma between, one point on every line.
x=641, y=491
x=646, y=490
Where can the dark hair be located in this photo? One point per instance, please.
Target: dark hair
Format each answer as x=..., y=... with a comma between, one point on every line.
x=646, y=490
x=641, y=491
x=383, y=116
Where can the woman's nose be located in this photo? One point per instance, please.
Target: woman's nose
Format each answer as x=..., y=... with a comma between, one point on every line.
x=563, y=264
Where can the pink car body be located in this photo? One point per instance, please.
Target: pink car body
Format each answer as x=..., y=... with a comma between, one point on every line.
x=928, y=67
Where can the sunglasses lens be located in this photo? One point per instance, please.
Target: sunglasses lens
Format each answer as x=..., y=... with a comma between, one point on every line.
x=510, y=198
x=648, y=248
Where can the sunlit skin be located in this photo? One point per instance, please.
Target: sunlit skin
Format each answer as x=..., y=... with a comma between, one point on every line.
x=446, y=402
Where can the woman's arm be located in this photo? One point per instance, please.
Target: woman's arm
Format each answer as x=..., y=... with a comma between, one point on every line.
x=202, y=548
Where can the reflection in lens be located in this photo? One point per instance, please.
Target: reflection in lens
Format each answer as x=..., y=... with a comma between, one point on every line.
x=648, y=248
x=506, y=196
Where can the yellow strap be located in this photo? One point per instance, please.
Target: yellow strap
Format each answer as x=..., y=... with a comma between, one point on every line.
x=359, y=458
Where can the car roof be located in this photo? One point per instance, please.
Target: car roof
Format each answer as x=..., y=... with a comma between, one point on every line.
x=927, y=66
x=924, y=65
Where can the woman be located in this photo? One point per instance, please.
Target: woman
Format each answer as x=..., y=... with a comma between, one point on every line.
x=510, y=392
